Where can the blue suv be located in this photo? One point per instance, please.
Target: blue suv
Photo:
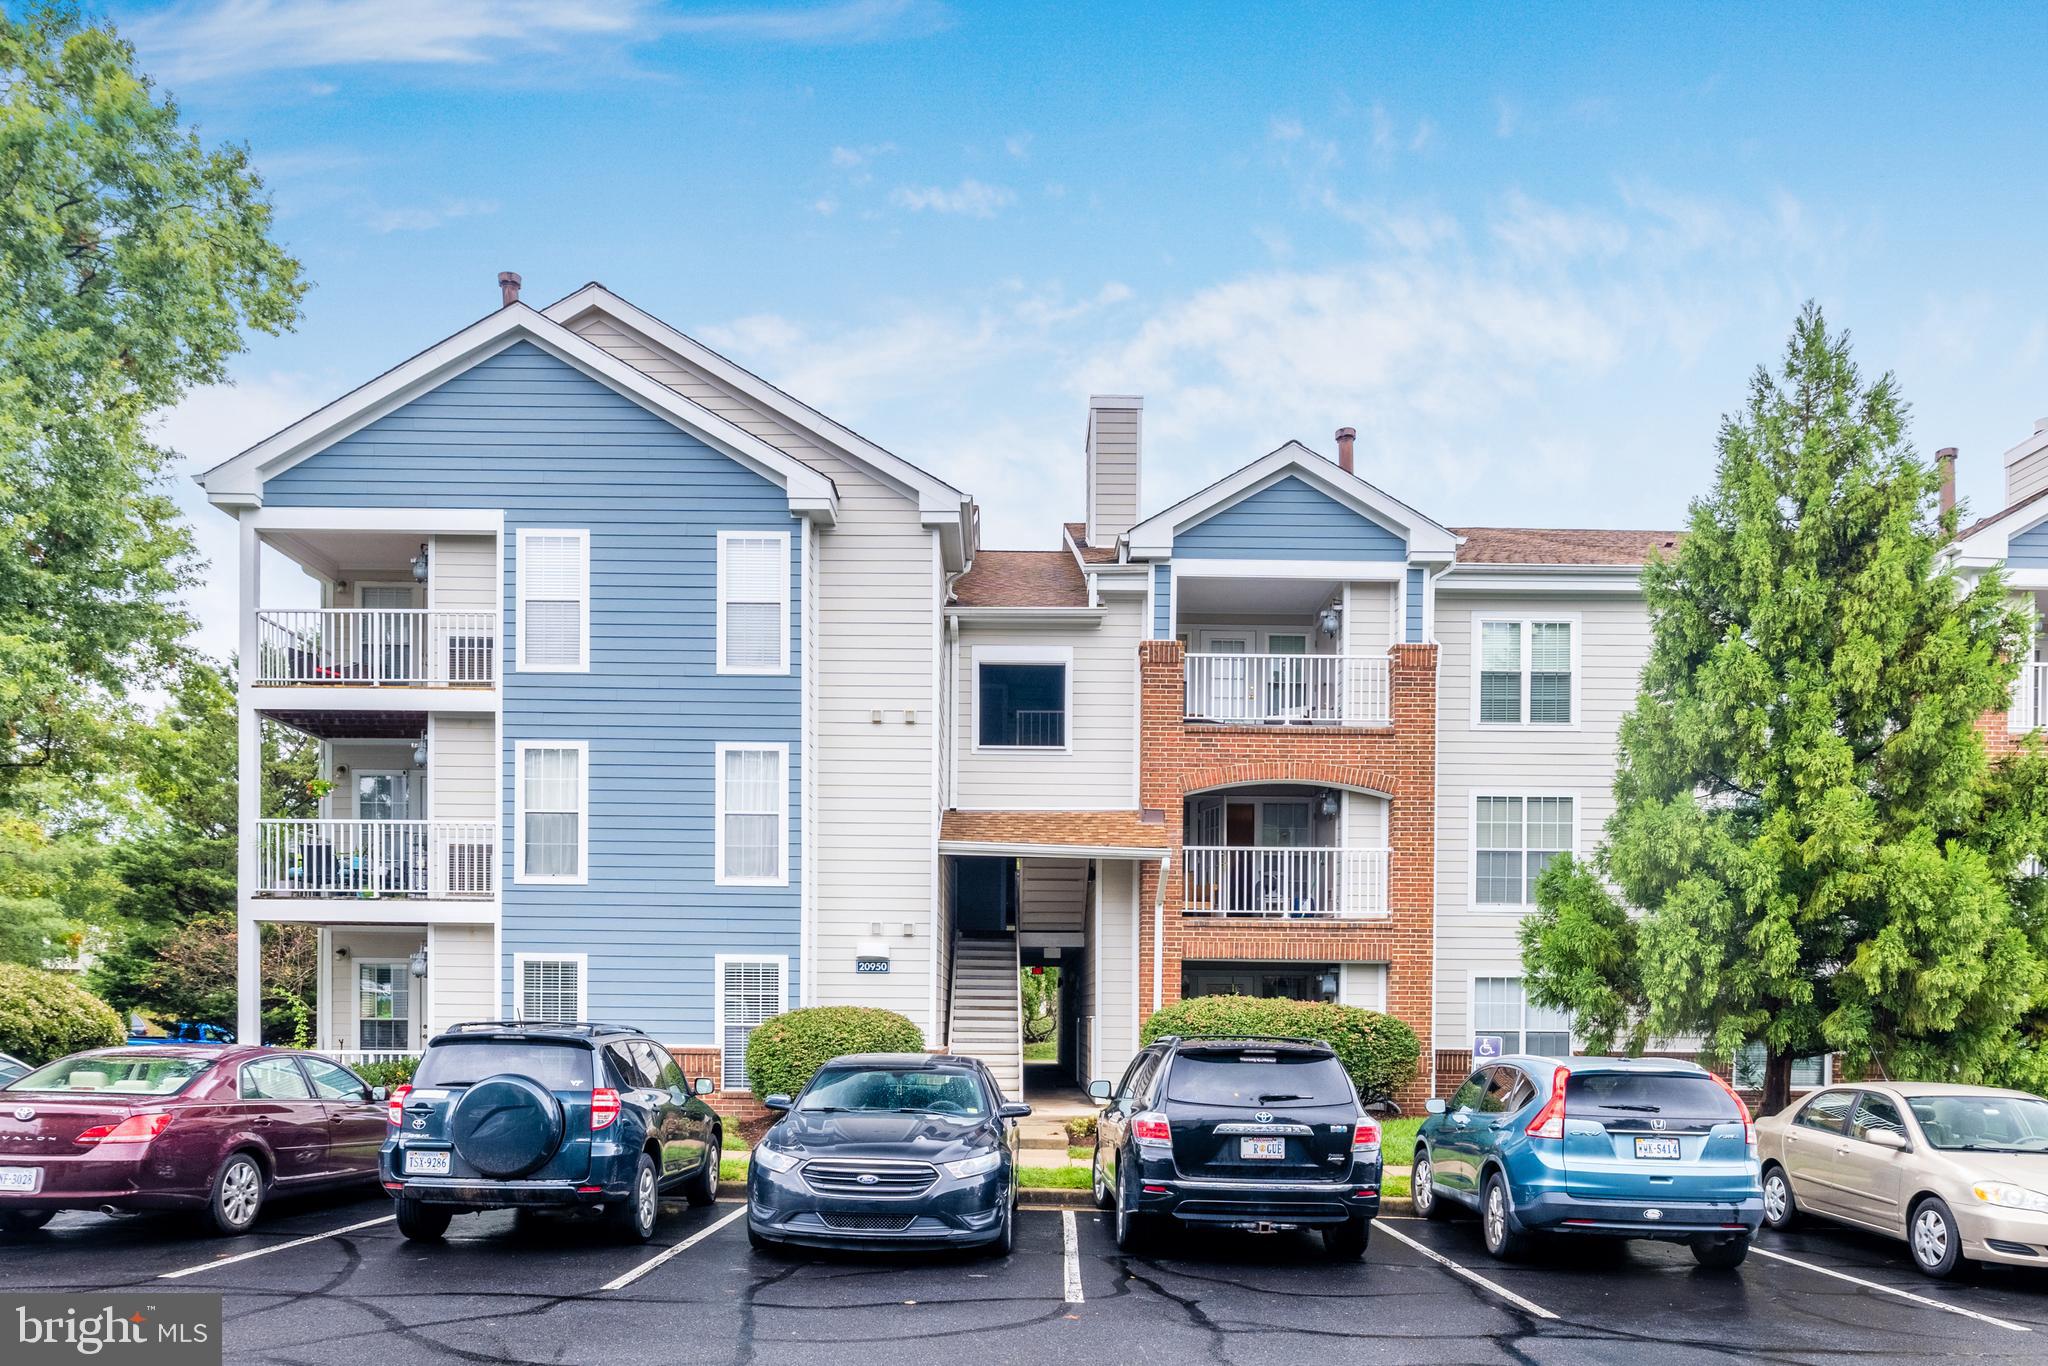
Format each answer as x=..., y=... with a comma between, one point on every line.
x=1608, y=1147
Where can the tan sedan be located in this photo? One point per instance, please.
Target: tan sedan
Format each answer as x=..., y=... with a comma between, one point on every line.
x=1959, y=1172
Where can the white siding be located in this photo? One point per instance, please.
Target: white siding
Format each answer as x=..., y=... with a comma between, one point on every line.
x=1113, y=981
x=1112, y=471
x=1053, y=898
x=459, y=977
x=462, y=776
x=370, y=756
x=464, y=573
x=1094, y=774
x=336, y=1016
x=1369, y=624
x=1614, y=642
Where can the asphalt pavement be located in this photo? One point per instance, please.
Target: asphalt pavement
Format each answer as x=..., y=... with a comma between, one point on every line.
x=330, y=1280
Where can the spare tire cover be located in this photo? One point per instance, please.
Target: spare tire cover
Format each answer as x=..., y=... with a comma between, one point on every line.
x=506, y=1126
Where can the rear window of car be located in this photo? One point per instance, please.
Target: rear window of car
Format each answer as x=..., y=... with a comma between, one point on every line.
x=556, y=1066
x=1693, y=1097
x=121, y=1074
x=1254, y=1079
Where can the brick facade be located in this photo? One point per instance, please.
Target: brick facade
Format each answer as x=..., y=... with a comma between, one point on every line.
x=1177, y=759
x=739, y=1106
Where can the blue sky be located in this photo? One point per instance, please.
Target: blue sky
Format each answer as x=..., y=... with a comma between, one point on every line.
x=1532, y=256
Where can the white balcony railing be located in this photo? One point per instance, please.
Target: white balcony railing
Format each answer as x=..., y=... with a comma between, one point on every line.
x=361, y=1057
x=1350, y=690
x=417, y=860
x=2029, y=699
x=1285, y=884
x=412, y=647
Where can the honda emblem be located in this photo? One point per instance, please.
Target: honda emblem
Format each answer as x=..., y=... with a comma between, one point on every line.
x=1656, y=1124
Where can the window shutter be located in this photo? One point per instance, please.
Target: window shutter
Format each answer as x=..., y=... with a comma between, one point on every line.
x=550, y=988
x=552, y=592
x=756, y=591
x=750, y=990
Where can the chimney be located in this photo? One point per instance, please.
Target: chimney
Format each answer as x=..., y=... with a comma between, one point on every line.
x=1945, y=461
x=1345, y=436
x=508, y=287
x=1113, y=442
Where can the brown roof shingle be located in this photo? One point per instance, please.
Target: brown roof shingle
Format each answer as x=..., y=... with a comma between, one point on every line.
x=1022, y=578
x=1093, y=554
x=2000, y=515
x=1076, y=829
x=1561, y=545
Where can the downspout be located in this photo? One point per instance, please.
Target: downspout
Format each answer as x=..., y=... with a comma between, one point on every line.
x=1159, y=934
x=1437, y=748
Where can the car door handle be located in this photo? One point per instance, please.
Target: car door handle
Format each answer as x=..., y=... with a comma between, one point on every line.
x=261, y=1122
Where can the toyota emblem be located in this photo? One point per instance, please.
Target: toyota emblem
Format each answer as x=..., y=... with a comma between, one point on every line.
x=1264, y=1116
x=867, y=1178
x=24, y=1113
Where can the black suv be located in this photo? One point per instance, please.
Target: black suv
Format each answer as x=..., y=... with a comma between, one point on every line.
x=510, y=1114
x=1247, y=1133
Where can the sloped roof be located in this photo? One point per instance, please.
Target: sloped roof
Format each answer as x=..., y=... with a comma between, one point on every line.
x=1078, y=829
x=1973, y=528
x=1077, y=532
x=1022, y=578
x=1560, y=545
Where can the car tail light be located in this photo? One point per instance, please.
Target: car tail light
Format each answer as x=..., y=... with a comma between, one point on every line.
x=394, y=1107
x=134, y=1129
x=1748, y=1122
x=1549, y=1121
x=604, y=1108
x=1151, y=1128
x=1366, y=1137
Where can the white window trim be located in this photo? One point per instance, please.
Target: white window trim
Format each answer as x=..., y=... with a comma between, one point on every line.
x=719, y=878
x=519, y=874
x=1519, y=974
x=1527, y=621
x=582, y=664
x=1472, y=850
x=782, y=633
x=582, y=962
x=718, y=966
x=1023, y=654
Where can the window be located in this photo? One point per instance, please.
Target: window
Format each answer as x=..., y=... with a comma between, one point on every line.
x=383, y=1006
x=753, y=602
x=273, y=1079
x=1524, y=672
x=552, y=784
x=750, y=990
x=551, y=986
x=1874, y=1113
x=332, y=1082
x=1829, y=1111
x=554, y=601
x=1807, y=1073
x=751, y=842
x=1021, y=698
x=1513, y=839
x=1500, y=1010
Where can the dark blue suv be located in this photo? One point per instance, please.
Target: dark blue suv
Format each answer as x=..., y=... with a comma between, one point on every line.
x=510, y=1114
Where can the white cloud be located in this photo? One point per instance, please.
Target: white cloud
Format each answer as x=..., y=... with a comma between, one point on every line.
x=1284, y=130
x=1018, y=145
x=424, y=218
x=970, y=197
x=853, y=21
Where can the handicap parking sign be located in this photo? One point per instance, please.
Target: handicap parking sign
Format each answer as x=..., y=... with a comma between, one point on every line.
x=1487, y=1046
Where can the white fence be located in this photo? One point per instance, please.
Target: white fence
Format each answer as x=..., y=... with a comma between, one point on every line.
x=376, y=646
x=421, y=860
x=2029, y=699
x=1351, y=690
x=1288, y=884
x=362, y=1057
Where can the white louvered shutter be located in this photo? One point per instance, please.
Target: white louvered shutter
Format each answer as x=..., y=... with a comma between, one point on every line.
x=549, y=989
x=749, y=991
x=755, y=574
x=552, y=590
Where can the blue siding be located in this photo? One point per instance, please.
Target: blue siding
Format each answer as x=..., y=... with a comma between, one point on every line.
x=1415, y=576
x=554, y=448
x=1162, y=602
x=2029, y=549
x=1289, y=520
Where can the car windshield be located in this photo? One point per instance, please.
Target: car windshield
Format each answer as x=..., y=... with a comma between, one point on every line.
x=921, y=1090
x=1690, y=1096
x=124, y=1074
x=1994, y=1124
x=556, y=1066
x=1253, y=1079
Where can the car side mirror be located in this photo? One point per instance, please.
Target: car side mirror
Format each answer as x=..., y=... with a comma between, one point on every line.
x=1100, y=1091
x=1885, y=1138
x=702, y=1086
x=1015, y=1111
x=777, y=1101
x=377, y=1093
x=1434, y=1105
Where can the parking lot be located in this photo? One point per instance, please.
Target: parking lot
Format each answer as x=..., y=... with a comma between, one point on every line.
x=331, y=1281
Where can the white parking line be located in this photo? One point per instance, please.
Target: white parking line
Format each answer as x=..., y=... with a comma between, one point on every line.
x=1510, y=1296
x=281, y=1247
x=678, y=1250
x=1891, y=1290
x=1072, y=1241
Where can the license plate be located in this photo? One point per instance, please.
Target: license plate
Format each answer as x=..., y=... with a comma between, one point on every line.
x=21, y=1179
x=426, y=1164
x=1264, y=1149
x=1657, y=1147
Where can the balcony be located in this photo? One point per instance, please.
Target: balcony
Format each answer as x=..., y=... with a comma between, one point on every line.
x=2029, y=699
x=1289, y=689
x=402, y=647
x=423, y=860
x=1284, y=883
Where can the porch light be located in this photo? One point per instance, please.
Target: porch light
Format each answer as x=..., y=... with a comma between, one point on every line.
x=1328, y=619
x=419, y=753
x=419, y=963
x=1327, y=984
x=1328, y=804
x=419, y=565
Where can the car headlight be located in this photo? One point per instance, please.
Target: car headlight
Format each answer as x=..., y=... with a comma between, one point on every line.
x=774, y=1161
x=975, y=1166
x=2009, y=1196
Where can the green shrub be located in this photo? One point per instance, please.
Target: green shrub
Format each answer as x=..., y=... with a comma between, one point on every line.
x=44, y=1016
x=1379, y=1052
x=784, y=1053
x=391, y=1072
x=1081, y=1129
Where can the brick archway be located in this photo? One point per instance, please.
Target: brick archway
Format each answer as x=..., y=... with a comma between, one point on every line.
x=1322, y=771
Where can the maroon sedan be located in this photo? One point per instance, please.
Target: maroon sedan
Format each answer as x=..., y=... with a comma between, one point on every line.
x=212, y=1129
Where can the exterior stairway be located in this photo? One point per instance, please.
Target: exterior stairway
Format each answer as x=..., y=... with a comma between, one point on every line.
x=988, y=1019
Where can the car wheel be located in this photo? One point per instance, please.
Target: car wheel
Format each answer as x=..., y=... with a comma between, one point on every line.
x=1781, y=1211
x=24, y=1220
x=1422, y=1189
x=1005, y=1241
x=702, y=1188
x=1133, y=1230
x=1936, y=1243
x=421, y=1222
x=1346, y=1242
x=760, y=1241
x=1496, y=1219
x=633, y=1218
x=1721, y=1254
x=237, y=1195
x=1104, y=1196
